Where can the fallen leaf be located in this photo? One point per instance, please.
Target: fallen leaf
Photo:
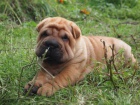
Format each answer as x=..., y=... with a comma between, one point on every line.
x=85, y=11
x=61, y=1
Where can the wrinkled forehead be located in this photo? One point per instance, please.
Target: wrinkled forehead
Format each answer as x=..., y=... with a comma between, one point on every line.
x=55, y=28
x=55, y=32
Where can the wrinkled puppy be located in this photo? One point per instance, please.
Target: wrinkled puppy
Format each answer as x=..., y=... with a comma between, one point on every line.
x=70, y=56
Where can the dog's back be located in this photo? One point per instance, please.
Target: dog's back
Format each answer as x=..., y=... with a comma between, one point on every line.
x=100, y=43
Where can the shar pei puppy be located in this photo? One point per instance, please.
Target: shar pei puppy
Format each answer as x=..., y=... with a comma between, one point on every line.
x=70, y=56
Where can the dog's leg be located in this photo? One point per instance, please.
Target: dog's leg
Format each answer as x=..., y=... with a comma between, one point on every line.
x=68, y=76
x=41, y=78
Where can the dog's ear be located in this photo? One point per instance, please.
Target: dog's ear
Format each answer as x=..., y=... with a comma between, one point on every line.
x=41, y=24
x=76, y=32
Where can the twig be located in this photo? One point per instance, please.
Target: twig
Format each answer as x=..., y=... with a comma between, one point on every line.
x=39, y=63
x=105, y=53
x=41, y=60
x=111, y=74
x=134, y=41
x=108, y=63
x=113, y=61
x=21, y=76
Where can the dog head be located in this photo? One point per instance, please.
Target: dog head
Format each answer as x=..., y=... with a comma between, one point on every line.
x=60, y=36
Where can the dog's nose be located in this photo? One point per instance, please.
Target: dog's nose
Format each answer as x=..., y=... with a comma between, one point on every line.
x=51, y=44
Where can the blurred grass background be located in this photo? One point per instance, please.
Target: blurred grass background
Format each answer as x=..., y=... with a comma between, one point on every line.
x=18, y=19
x=20, y=10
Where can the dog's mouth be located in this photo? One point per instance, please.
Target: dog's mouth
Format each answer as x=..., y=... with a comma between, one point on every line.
x=53, y=56
x=50, y=51
x=50, y=55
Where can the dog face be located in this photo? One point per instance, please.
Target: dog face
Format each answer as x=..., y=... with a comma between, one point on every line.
x=60, y=36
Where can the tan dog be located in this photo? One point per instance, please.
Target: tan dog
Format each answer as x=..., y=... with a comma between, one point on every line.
x=70, y=56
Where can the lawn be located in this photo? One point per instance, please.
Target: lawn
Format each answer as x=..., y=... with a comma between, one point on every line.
x=18, y=61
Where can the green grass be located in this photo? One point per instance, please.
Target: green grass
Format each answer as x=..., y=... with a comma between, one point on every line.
x=17, y=43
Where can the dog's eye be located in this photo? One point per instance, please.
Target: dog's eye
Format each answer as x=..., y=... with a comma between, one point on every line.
x=65, y=38
x=44, y=34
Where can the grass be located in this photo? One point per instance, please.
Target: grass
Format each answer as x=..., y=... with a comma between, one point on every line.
x=17, y=43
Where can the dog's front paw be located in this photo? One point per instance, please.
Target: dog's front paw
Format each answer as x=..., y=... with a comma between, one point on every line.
x=46, y=90
x=31, y=88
